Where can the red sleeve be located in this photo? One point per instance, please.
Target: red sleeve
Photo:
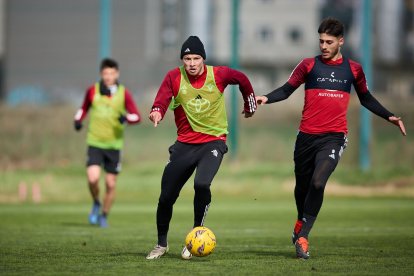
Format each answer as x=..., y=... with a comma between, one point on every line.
x=224, y=76
x=166, y=91
x=360, y=82
x=132, y=116
x=81, y=113
x=300, y=72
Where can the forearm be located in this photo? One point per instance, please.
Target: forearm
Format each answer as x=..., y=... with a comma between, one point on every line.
x=235, y=77
x=280, y=94
x=132, y=116
x=372, y=104
x=159, y=107
x=83, y=110
x=248, y=95
x=164, y=96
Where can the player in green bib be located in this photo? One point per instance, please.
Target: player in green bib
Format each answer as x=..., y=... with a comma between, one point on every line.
x=110, y=106
x=204, y=107
x=195, y=93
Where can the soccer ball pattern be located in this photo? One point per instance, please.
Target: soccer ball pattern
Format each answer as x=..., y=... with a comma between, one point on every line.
x=201, y=241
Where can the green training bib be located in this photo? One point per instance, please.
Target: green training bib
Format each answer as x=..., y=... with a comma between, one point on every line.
x=205, y=107
x=105, y=131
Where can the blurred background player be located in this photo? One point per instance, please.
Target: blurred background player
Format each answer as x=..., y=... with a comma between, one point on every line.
x=195, y=91
x=322, y=133
x=111, y=106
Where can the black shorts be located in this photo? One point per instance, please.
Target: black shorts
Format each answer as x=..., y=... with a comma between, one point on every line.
x=109, y=158
x=310, y=148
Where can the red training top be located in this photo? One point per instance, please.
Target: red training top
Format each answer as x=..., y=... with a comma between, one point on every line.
x=327, y=92
x=223, y=76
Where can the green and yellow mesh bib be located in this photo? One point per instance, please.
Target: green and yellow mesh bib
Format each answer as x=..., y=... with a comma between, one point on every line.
x=205, y=108
x=105, y=131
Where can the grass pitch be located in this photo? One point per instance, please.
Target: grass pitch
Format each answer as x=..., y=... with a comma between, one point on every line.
x=353, y=236
x=252, y=213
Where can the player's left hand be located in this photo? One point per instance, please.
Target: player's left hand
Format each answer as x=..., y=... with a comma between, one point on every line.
x=399, y=123
x=77, y=125
x=247, y=114
x=122, y=119
x=261, y=100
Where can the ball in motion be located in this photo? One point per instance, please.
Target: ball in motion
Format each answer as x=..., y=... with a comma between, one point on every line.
x=201, y=241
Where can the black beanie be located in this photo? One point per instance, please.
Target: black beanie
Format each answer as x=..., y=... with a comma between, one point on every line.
x=193, y=45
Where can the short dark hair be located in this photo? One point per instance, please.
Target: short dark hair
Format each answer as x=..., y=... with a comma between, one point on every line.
x=331, y=26
x=109, y=63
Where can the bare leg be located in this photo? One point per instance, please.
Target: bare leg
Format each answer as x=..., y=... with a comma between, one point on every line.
x=93, y=173
x=110, y=181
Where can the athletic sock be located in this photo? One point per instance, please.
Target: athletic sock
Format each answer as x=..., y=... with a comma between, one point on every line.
x=308, y=222
x=96, y=202
x=104, y=214
x=298, y=226
x=162, y=240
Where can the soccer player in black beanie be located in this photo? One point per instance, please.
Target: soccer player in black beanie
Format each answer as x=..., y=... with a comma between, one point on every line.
x=193, y=45
x=195, y=92
x=322, y=136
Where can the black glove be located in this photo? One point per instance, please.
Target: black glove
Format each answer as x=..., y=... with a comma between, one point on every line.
x=77, y=125
x=122, y=119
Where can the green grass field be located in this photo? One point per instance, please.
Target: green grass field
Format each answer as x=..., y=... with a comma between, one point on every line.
x=365, y=225
x=353, y=236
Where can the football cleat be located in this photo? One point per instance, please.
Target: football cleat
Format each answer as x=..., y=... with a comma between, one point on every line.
x=185, y=254
x=302, y=248
x=296, y=231
x=103, y=222
x=157, y=252
x=94, y=214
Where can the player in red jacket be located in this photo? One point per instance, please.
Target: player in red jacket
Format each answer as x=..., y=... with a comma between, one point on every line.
x=322, y=133
x=195, y=92
x=110, y=106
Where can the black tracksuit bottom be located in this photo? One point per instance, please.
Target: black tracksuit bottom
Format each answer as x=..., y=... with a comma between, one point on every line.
x=205, y=160
x=316, y=157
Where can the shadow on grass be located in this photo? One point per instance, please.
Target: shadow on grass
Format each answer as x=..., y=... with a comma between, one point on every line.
x=130, y=254
x=78, y=224
x=168, y=256
x=278, y=253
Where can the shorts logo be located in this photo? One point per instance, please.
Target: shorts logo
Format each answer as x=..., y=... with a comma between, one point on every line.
x=118, y=167
x=198, y=104
x=215, y=153
x=332, y=155
x=341, y=151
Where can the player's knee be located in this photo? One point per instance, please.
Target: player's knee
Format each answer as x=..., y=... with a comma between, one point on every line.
x=110, y=188
x=318, y=184
x=201, y=186
x=93, y=181
x=167, y=200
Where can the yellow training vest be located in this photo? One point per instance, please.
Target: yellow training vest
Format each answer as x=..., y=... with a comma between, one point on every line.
x=105, y=131
x=205, y=108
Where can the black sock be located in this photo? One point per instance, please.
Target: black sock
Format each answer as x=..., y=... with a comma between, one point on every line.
x=96, y=201
x=308, y=222
x=104, y=214
x=162, y=240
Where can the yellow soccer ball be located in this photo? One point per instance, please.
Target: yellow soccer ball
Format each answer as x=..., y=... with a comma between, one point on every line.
x=201, y=241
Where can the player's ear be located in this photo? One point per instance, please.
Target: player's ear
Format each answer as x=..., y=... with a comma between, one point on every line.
x=341, y=41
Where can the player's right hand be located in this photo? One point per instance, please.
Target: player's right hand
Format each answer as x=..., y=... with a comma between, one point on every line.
x=399, y=123
x=261, y=100
x=155, y=117
x=77, y=125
